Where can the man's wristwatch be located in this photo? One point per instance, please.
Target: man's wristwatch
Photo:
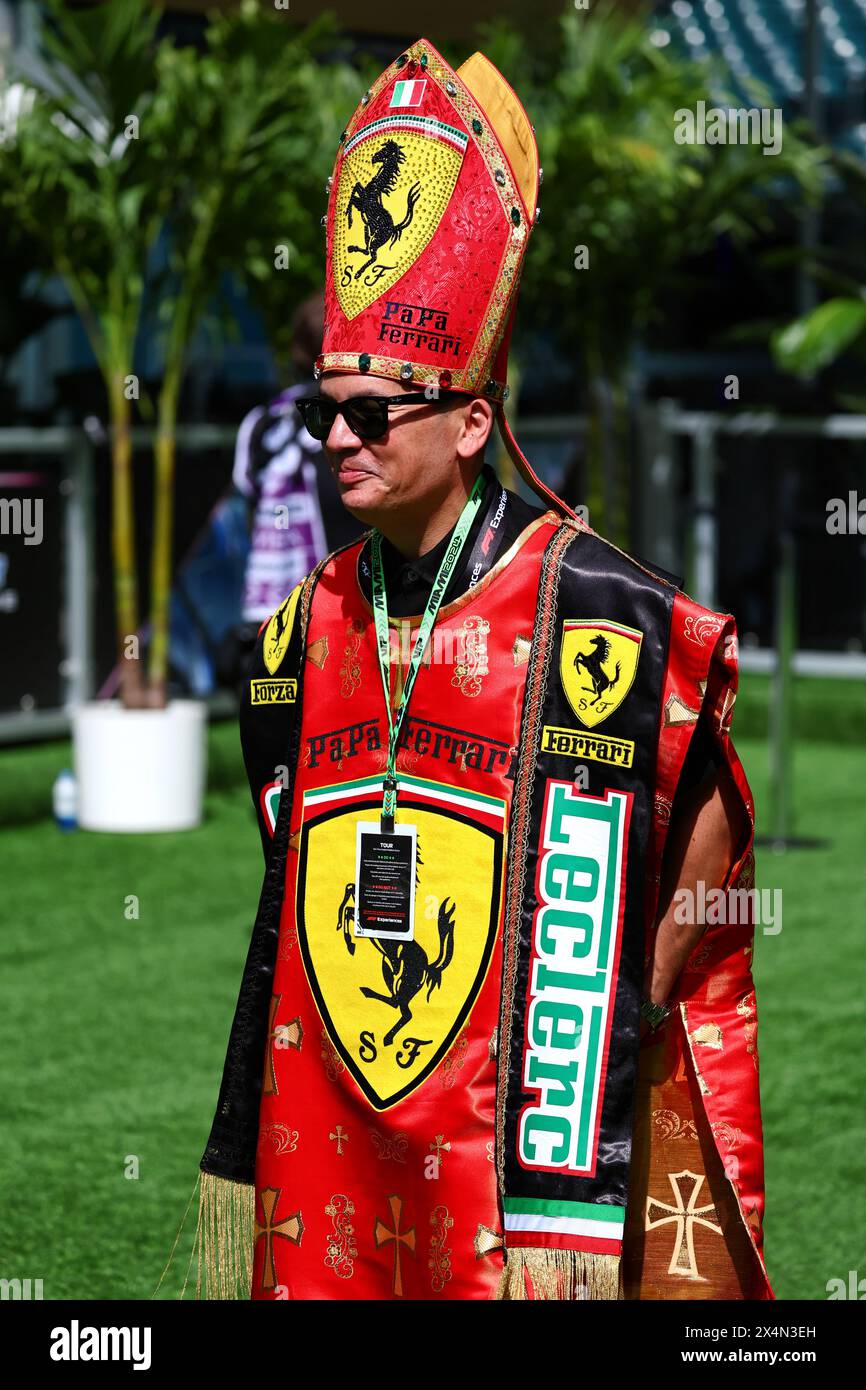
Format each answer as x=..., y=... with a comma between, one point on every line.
x=655, y=1014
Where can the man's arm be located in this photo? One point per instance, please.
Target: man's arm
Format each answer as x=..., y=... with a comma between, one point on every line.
x=705, y=836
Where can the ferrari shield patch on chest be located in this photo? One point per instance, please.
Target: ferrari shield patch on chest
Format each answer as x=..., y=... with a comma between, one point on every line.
x=392, y=1007
x=597, y=665
x=278, y=633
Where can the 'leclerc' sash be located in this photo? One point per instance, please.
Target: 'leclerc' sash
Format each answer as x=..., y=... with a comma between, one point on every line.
x=574, y=917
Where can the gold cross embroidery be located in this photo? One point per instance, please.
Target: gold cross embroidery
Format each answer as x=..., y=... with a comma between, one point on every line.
x=438, y=1147
x=289, y=1228
x=289, y=1034
x=341, y=1137
x=383, y=1235
x=685, y=1215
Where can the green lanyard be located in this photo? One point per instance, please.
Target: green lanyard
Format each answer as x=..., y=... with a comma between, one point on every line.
x=380, y=616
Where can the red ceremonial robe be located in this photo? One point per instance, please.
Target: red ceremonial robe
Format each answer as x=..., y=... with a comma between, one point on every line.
x=375, y=1173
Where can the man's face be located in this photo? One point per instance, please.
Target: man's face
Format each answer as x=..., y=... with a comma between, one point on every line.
x=416, y=462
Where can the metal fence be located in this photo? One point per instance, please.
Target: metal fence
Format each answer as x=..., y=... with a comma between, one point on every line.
x=75, y=449
x=703, y=429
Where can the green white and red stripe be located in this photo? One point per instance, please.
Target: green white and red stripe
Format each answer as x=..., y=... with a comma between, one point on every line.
x=595, y=1227
x=420, y=790
x=430, y=126
x=408, y=93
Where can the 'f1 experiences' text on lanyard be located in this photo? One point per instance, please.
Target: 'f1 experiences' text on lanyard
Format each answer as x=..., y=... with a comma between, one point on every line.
x=380, y=617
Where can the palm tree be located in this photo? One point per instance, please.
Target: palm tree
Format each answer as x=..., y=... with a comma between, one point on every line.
x=253, y=137
x=603, y=100
x=88, y=194
x=817, y=339
x=125, y=141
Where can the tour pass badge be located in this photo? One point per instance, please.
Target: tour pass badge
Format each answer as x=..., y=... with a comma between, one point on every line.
x=396, y=180
x=385, y=882
x=597, y=665
x=393, y=1000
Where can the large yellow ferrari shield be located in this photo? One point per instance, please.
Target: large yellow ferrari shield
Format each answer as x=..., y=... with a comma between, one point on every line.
x=393, y=1008
x=597, y=665
x=397, y=177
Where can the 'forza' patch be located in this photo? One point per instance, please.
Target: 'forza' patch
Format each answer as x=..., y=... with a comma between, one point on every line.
x=597, y=665
x=273, y=692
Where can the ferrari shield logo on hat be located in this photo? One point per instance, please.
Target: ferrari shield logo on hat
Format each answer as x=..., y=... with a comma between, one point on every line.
x=597, y=665
x=396, y=179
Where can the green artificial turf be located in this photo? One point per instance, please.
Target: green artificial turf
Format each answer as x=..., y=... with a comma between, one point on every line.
x=834, y=710
x=114, y=1032
x=811, y=990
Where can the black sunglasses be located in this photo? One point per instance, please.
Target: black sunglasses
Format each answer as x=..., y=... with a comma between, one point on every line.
x=366, y=416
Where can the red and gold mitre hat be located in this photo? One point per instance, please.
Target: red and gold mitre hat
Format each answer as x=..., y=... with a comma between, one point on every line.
x=431, y=203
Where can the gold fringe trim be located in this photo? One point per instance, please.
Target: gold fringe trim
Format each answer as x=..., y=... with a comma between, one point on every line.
x=559, y=1274
x=224, y=1238
x=174, y=1246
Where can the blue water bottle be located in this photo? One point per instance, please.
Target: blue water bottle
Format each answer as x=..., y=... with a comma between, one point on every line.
x=64, y=797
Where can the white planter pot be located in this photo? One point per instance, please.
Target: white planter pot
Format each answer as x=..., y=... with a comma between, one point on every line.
x=140, y=769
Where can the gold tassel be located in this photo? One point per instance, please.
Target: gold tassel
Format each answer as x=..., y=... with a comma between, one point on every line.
x=224, y=1238
x=559, y=1274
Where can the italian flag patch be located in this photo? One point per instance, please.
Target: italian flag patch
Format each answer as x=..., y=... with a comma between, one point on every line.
x=408, y=93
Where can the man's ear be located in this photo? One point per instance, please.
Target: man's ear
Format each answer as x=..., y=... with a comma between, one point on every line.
x=481, y=413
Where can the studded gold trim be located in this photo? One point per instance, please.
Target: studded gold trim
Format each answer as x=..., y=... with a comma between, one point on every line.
x=423, y=373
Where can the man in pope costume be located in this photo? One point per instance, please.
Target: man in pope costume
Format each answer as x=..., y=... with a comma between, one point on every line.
x=480, y=1050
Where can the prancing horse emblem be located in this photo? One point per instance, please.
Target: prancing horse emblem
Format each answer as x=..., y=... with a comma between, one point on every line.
x=385, y=178
x=379, y=225
x=592, y=664
x=406, y=968
x=394, y=1008
x=279, y=631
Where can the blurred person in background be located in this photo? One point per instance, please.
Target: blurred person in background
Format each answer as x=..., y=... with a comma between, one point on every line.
x=297, y=516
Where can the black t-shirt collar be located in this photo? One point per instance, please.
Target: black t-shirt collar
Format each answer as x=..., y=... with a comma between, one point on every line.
x=402, y=572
